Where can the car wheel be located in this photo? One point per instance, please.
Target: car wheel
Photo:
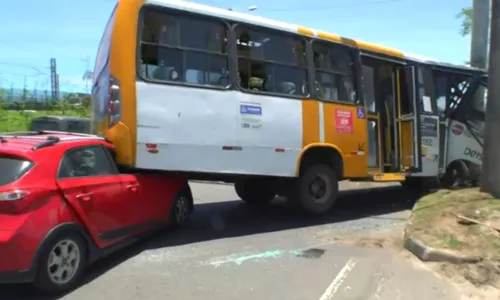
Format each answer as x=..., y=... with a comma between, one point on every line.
x=61, y=264
x=181, y=208
x=317, y=189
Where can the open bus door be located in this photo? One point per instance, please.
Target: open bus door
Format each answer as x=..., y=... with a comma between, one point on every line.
x=408, y=120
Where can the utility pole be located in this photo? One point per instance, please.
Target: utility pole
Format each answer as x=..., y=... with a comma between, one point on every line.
x=479, y=33
x=490, y=176
x=25, y=90
x=57, y=91
x=53, y=79
x=11, y=93
x=34, y=96
x=87, y=75
x=479, y=40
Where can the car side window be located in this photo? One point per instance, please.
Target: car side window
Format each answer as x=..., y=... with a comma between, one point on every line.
x=86, y=162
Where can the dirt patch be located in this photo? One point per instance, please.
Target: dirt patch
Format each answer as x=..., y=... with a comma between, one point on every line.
x=474, y=281
x=466, y=222
x=485, y=273
x=353, y=185
x=389, y=239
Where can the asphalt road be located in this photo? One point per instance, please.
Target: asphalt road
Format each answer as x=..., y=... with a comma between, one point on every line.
x=229, y=252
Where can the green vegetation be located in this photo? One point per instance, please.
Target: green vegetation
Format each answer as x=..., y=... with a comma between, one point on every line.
x=452, y=242
x=16, y=116
x=20, y=120
x=466, y=16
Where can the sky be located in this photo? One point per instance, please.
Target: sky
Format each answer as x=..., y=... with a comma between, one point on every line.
x=33, y=31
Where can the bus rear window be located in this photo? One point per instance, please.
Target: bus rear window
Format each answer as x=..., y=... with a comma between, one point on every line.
x=39, y=125
x=13, y=169
x=104, y=47
x=80, y=126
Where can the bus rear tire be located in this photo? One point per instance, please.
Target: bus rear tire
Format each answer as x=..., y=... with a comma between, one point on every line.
x=317, y=189
x=254, y=192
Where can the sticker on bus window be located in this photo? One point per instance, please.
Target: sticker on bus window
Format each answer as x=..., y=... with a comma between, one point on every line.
x=343, y=121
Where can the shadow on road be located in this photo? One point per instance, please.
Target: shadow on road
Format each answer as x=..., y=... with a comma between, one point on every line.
x=217, y=220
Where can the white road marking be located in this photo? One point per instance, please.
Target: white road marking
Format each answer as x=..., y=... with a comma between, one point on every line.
x=331, y=290
x=398, y=294
x=380, y=286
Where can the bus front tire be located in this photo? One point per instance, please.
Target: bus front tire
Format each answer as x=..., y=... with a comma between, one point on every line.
x=317, y=189
x=254, y=191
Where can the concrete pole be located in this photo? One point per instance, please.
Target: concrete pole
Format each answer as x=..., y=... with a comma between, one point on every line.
x=479, y=33
x=479, y=41
x=490, y=176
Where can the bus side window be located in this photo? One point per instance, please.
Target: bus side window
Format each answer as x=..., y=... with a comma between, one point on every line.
x=476, y=113
x=407, y=93
x=441, y=94
x=369, y=88
x=184, y=49
x=334, y=72
x=427, y=89
x=271, y=62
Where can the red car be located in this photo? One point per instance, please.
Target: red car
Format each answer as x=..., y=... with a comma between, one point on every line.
x=64, y=204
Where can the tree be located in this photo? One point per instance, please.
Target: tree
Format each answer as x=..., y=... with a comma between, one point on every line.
x=3, y=95
x=490, y=175
x=466, y=16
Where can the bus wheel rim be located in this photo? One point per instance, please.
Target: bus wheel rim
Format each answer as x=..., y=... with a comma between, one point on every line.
x=320, y=188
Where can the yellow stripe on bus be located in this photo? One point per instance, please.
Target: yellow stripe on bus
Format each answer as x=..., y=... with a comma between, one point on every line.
x=360, y=44
x=310, y=122
x=123, y=67
x=306, y=31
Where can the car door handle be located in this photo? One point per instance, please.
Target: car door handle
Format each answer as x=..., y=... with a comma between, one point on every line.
x=133, y=187
x=84, y=196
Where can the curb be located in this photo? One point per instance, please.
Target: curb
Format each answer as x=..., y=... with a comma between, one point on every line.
x=350, y=189
x=211, y=182
x=426, y=253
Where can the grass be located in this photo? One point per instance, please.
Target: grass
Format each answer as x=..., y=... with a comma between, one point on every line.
x=452, y=242
x=434, y=221
x=20, y=120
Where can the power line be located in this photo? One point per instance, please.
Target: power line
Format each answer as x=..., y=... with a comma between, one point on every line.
x=25, y=66
x=328, y=7
x=15, y=74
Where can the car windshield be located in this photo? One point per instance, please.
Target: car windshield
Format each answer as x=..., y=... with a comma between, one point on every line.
x=12, y=169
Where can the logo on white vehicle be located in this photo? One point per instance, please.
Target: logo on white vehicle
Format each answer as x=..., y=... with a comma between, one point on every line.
x=246, y=109
x=457, y=129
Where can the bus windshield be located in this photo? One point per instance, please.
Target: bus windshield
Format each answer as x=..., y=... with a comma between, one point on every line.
x=477, y=111
x=102, y=56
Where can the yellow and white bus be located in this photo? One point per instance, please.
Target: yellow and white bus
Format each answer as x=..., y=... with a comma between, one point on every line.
x=274, y=107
